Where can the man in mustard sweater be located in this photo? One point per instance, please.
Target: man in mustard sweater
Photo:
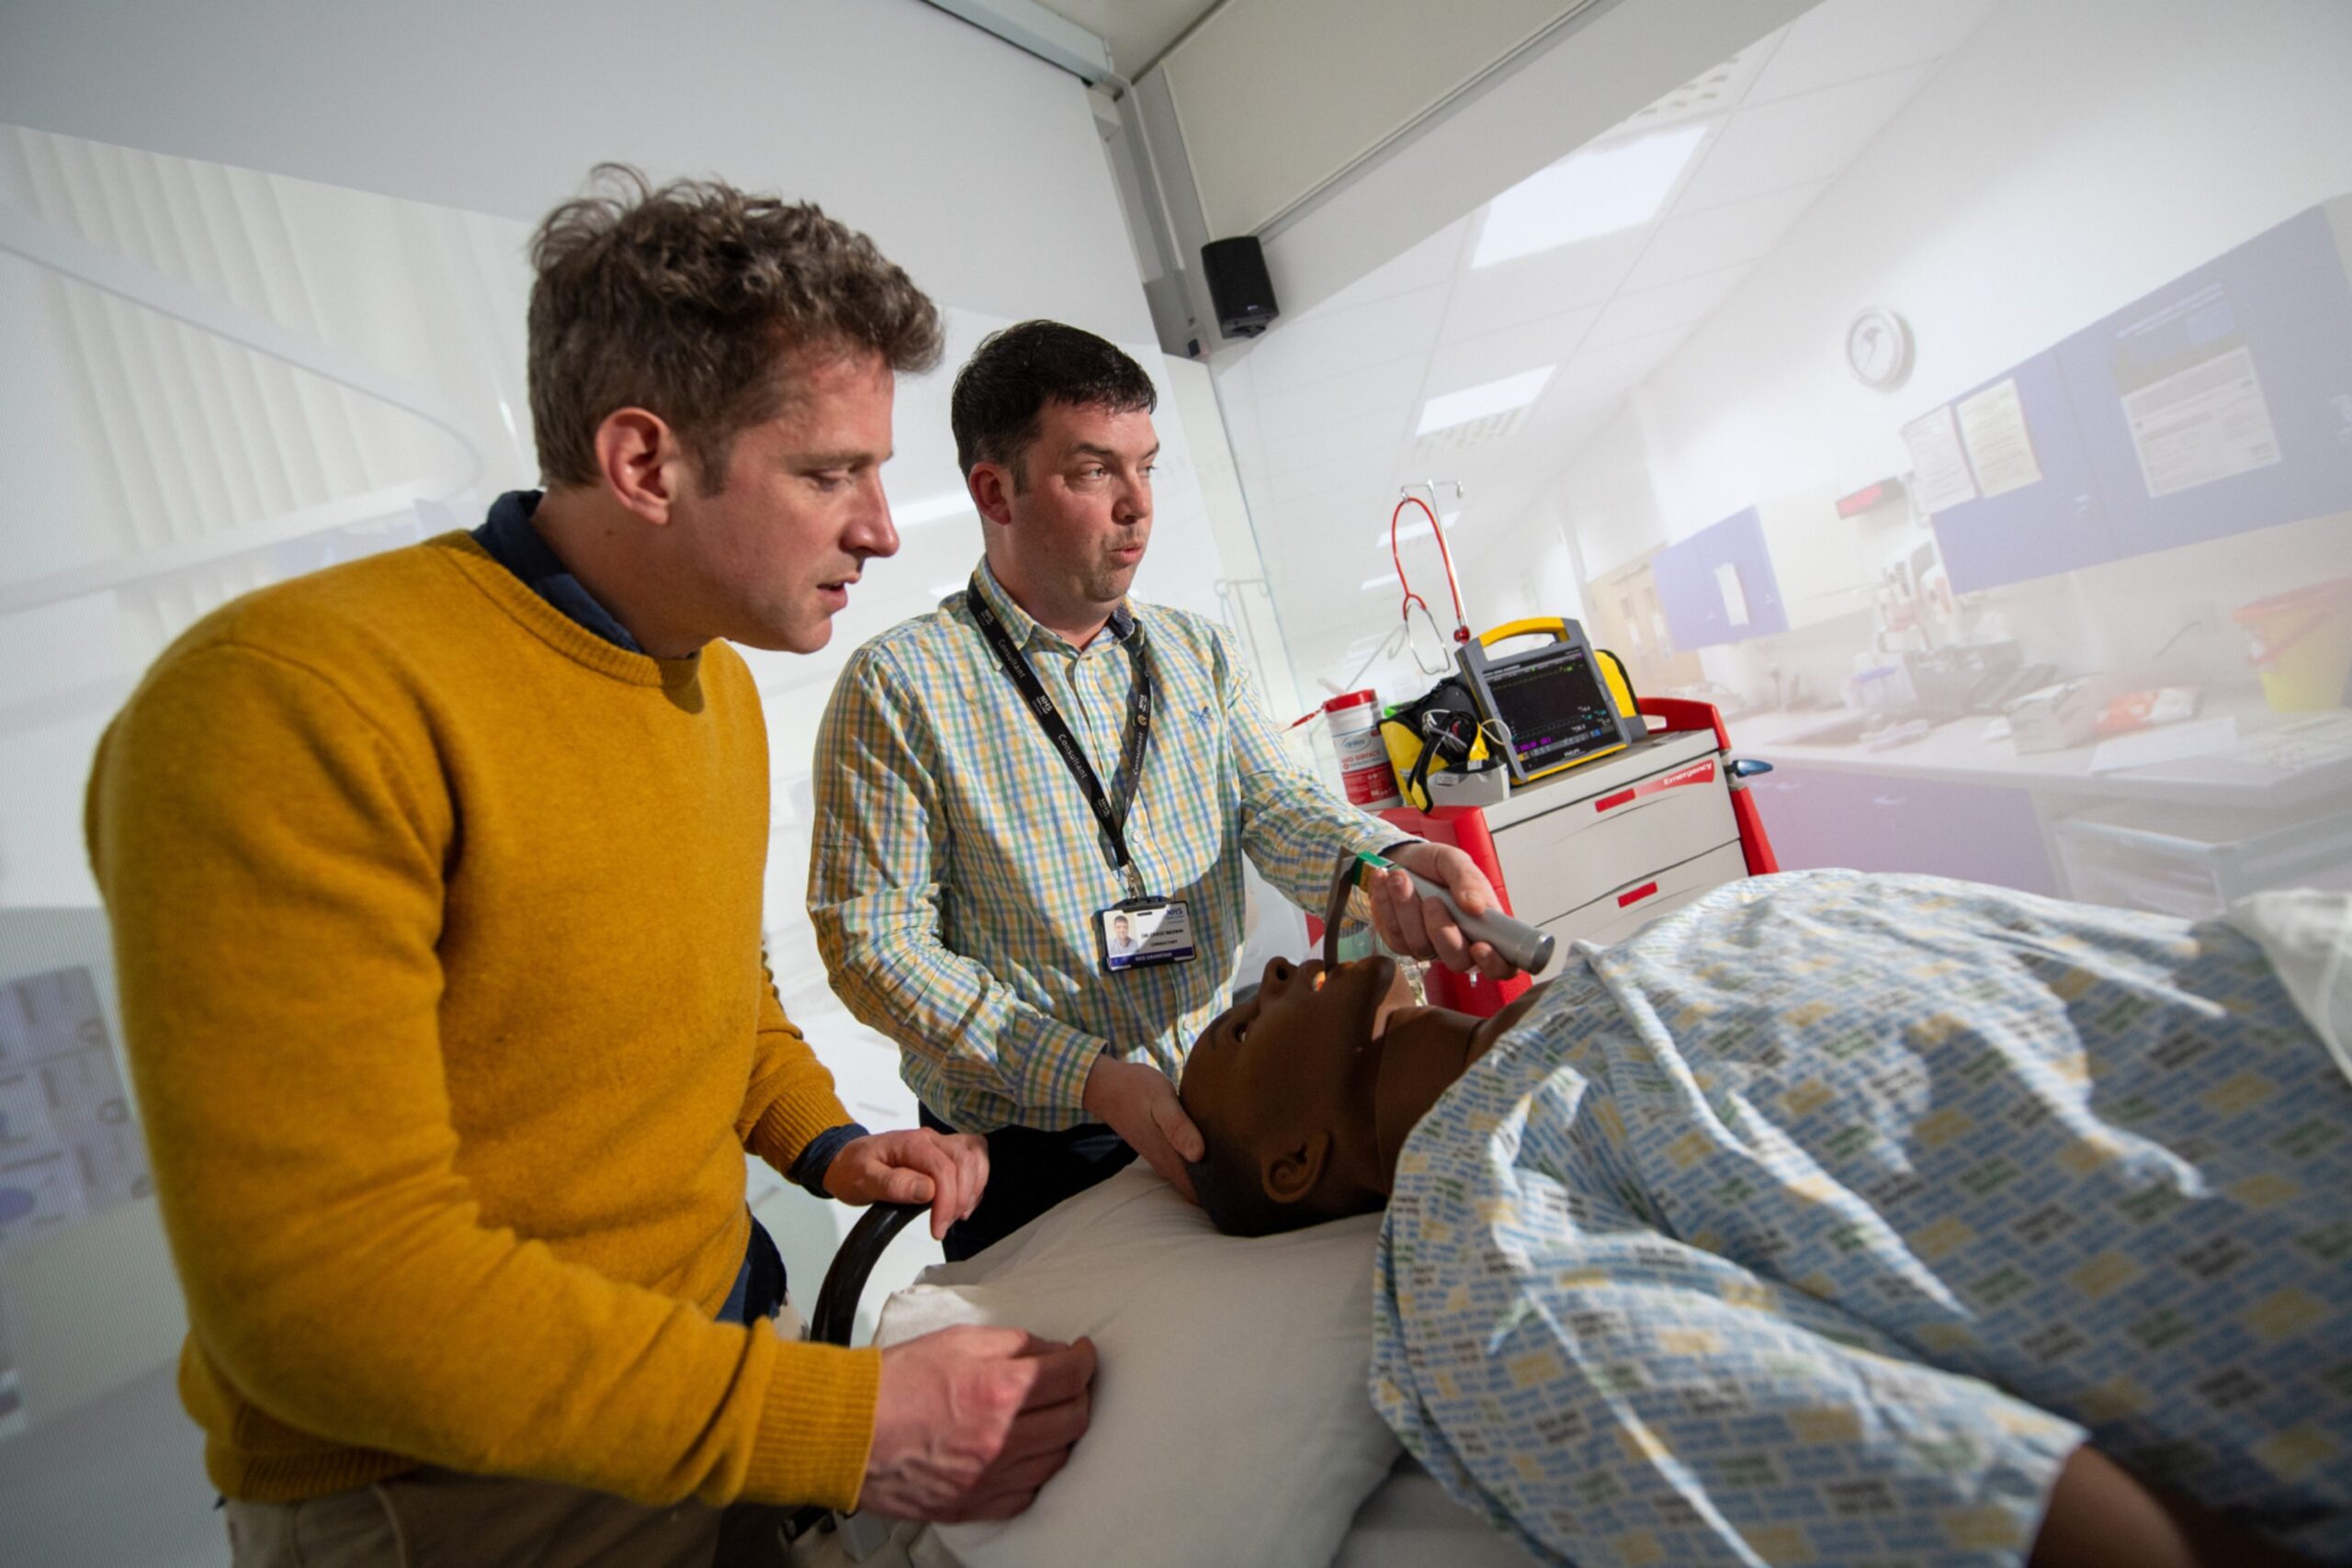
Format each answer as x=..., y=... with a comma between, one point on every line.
x=435, y=888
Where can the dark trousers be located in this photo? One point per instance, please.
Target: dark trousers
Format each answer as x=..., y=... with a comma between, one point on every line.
x=1029, y=1172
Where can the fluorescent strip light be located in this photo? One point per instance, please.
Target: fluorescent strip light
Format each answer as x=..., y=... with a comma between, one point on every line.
x=931, y=508
x=1420, y=530
x=1599, y=191
x=1489, y=397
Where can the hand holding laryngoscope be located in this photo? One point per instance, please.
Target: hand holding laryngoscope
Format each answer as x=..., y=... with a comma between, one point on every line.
x=1516, y=941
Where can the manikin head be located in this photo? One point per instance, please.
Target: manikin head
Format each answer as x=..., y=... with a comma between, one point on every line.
x=1053, y=432
x=1304, y=1094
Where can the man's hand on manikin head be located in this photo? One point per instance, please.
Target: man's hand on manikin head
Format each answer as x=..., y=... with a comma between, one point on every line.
x=1304, y=1094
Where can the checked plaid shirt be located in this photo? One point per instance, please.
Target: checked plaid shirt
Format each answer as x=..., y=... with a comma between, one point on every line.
x=957, y=870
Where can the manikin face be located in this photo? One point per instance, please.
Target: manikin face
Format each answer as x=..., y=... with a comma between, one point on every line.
x=772, y=555
x=1067, y=541
x=1319, y=1078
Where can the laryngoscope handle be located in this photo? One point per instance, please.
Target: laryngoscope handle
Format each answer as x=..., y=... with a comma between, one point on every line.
x=1523, y=944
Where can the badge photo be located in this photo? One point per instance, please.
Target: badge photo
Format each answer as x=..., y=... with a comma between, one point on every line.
x=1143, y=934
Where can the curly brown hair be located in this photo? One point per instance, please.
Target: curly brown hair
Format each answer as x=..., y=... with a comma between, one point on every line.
x=682, y=300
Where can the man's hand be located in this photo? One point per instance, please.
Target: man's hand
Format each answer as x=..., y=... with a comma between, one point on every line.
x=969, y=1422
x=1423, y=928
x=1136, y=1100
x=918, y=1166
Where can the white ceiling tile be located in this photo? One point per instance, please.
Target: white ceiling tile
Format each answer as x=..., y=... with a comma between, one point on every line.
x=1711, y=93
x=1846, y=39
x=1351, y=441
x=1498, y=297
x=1735, y=232
x=1431, y=261
x=1368, y=395
x=1797, y=140
x=1612, y=371
x=1291, y=482
x=1527, y=345
x=1652, y=311
x=1331, y=343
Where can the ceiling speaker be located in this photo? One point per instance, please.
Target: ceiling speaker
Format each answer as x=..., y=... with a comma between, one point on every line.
x=1238, y=286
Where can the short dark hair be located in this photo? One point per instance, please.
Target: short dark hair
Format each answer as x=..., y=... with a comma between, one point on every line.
x=1227, y=1182
x=680, y=301
x=1010, y=377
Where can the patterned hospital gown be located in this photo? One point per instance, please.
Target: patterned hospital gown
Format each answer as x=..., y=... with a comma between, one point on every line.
x=1821, y=1221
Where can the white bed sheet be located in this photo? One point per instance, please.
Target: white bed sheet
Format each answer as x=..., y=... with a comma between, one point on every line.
x=1408, y=1522
x=1232, y=1418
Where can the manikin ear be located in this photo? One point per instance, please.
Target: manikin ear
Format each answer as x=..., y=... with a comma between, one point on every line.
x=1291, y=1174
x=641, y=463
x=991, y=488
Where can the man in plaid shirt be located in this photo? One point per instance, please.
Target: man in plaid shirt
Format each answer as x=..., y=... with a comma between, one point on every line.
x=1001, y=780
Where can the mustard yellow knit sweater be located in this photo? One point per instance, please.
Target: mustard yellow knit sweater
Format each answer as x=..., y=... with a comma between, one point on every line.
x=437, y=924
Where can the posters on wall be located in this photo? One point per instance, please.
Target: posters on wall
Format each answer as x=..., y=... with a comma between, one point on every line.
x=69, y=1147
x=2000, y=447
x=2191, y=397
x=1940, y=478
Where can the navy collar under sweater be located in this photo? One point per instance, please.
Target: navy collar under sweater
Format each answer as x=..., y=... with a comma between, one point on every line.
x=514, y=544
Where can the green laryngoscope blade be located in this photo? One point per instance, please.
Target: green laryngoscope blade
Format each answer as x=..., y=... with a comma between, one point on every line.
x=1523, y=944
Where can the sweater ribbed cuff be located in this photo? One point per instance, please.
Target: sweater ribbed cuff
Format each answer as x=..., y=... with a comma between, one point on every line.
x=791, y=1125
x=816, y=1426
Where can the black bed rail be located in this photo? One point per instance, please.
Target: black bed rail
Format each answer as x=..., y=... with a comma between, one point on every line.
x=876, y=1229
x=836, y=1310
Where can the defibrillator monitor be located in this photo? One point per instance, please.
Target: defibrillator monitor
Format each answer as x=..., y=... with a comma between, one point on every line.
x=1554, y=700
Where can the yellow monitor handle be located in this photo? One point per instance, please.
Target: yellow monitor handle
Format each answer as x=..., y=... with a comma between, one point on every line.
x=1551, y=626
x=1613, y=671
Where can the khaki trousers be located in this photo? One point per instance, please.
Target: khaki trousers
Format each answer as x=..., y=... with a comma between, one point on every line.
x=440, y=1518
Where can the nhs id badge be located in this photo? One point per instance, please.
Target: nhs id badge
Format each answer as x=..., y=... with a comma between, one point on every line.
x=1141, y=933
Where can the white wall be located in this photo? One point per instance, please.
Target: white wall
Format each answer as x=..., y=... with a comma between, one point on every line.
x=967, y=160
x=390, y=161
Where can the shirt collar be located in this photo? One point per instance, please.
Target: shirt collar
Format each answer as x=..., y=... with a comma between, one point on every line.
x=1025, y=627
x=513, y=543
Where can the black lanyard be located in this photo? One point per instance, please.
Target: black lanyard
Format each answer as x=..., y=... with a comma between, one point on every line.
x=1132, y=745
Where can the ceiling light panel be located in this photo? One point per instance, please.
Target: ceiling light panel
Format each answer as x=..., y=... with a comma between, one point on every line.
x=1487, y=399
x=1598, y=191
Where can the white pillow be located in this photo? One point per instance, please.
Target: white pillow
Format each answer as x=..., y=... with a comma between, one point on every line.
x=1231, y=1423
x=2307, y=935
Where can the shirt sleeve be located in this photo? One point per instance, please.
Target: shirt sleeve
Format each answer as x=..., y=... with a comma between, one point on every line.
x=973, y=1052
x=809, y=1170
x=336, y=1265
x=1294, y=828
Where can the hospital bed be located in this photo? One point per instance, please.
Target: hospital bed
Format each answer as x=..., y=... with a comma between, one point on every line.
x=1231, y=1420
x=1260, y=1445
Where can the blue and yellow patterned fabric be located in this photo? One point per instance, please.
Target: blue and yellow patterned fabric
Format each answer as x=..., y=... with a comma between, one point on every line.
x=1822, y=1220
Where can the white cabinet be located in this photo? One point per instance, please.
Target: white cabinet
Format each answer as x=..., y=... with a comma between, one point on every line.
x=1596, y=853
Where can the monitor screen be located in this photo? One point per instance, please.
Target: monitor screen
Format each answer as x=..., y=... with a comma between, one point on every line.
x=1555, y=704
